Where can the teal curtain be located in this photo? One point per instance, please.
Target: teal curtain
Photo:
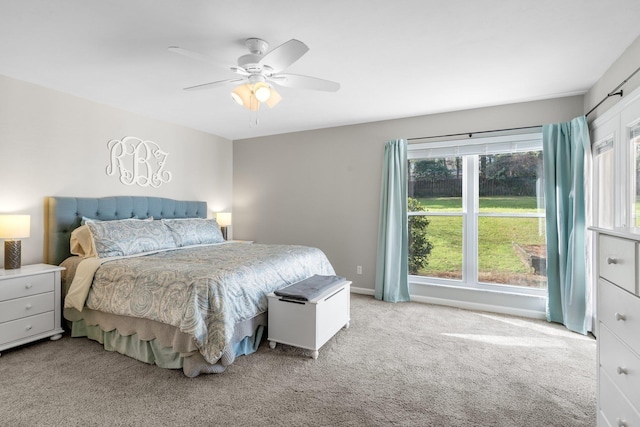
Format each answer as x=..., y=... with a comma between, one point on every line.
x=565, y=147
x=392, y=262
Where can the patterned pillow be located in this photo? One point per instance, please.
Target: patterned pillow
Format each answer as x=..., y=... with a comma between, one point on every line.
x=129, y=237
x=194, y=231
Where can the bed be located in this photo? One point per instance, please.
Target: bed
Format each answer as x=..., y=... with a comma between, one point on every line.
x=157, y=282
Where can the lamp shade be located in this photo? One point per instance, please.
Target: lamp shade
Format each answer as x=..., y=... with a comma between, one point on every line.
x=274, y=98
x=244, y=96
x=223, y=219
x=15, y=226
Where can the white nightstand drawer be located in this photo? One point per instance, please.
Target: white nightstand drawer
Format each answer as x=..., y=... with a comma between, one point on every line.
x=618, y=262
x=27, y=306
x=26, y=327
x=621, y=364
x=17, y=287
x=620, y=312
x=614, y=407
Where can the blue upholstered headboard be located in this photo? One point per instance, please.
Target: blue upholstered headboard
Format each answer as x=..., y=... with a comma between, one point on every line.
x=65, y=213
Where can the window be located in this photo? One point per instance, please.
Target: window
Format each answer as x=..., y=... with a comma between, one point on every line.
x=603, y=171
x=476, y=212
x=634, y=137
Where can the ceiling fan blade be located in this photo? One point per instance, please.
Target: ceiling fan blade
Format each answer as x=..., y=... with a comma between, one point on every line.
x=297, y=81
x=284, y=55
x=214, y=84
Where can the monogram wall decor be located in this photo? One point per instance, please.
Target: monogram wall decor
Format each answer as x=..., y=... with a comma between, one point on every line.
x=137, y=162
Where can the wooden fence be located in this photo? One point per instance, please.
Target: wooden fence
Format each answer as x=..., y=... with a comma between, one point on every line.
x=423, y=187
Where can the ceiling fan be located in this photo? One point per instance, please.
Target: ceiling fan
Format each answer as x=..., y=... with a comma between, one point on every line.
x=261, y=68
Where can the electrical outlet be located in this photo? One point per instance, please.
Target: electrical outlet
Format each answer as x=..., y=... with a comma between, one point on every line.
x=359, y=269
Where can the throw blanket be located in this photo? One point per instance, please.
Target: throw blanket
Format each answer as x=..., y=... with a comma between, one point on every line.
x=205, y=290
x=310, y=288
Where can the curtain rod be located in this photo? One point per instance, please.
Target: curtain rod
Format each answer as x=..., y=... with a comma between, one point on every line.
x=470, y=134
x=614, y=92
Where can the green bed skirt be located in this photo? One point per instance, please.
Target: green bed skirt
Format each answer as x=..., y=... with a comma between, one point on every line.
x=151, y=351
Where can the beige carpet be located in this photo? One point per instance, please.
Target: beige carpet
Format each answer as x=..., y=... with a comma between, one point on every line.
x=406, y=364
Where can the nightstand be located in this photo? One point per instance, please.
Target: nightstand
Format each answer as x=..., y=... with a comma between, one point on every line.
x=30, y=307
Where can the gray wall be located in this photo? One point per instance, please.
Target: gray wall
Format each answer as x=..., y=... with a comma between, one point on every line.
x=621, y=69
x=54, y=144
x=322, y=188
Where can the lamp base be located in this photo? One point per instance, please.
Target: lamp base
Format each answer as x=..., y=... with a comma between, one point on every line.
x=224, y=232
x=12, y=254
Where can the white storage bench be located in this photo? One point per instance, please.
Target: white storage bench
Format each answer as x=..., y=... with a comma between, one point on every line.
x=309, y=324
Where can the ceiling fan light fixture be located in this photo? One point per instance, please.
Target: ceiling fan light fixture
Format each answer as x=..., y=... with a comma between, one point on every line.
x=274, y=98
x=242, y=95
x=254, y=104
x=261, y=68
x=262, y=91
x=236, y=98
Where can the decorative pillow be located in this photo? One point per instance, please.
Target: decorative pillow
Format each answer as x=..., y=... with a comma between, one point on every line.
x=85, y=219
x=129, y=237
x=194, y=231
x=81, y=243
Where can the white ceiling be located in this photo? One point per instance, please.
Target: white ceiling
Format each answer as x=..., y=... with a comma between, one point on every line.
x=393, y=58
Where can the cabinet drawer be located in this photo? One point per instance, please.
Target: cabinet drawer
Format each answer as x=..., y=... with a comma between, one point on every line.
x=621, y=364
x=27, y=306
x=17, y=287
x=26, y=327
x=618, y=262
x=620, y=312
x=613, y=406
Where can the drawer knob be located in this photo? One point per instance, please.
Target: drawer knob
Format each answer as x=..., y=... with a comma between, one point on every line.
x=611, y=260
x=621, y=422
x=28, y=307
x=28, y=328
x=28, y=286
x=620, y=317
x=621, y=370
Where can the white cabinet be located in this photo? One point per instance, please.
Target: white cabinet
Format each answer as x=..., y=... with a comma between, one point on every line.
x=30, y=307
x=309, y=324
x=618, y=329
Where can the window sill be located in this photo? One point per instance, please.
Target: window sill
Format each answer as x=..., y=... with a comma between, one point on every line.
x=505, y=299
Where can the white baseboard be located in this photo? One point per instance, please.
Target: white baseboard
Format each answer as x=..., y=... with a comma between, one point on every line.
x=467, y=305
x=480, y=307
x=363, y=291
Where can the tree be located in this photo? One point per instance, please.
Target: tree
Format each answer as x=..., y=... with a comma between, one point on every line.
x=518, y=165
x=432, y=169
x=419, y=245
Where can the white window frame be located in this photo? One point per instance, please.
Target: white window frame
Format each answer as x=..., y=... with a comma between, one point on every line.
x=469, y=149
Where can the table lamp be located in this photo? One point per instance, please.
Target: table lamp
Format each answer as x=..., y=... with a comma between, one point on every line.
x=224, y=220
x=13, y=227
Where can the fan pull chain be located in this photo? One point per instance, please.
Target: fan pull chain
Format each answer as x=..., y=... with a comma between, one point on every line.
x=254, y=120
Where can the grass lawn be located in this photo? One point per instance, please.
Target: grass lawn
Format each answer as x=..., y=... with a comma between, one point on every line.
x=499, y=257
x=523, y=204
